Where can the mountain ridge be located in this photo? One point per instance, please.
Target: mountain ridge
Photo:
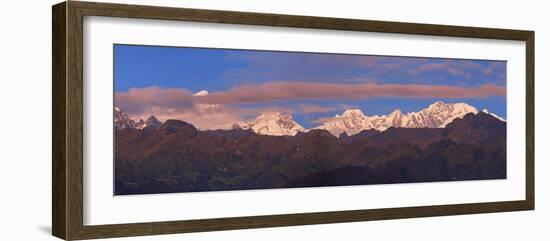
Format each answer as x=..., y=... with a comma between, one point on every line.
x=352, y=121
x=123, y=121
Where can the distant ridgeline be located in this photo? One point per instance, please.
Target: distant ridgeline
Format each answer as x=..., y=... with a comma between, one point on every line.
x=350, y=122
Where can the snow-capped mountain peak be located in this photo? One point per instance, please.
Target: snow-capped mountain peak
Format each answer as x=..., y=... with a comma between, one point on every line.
x=437, y=105
x=352, y=121
x=122, y=121
x=396, y=113
x=439, y=114
x=354, y=112
x=441, y=107
x=273, y=124
x=201, y=93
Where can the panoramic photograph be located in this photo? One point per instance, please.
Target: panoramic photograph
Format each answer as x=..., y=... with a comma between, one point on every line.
x=189, y=119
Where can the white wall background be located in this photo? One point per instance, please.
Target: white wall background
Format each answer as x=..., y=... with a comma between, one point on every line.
x=25, y=120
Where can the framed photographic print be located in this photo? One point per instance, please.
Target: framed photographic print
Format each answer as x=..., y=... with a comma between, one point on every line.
x=171, y=120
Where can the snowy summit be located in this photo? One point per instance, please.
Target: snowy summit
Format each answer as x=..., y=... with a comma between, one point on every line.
x=201, y=93
x=273, y=124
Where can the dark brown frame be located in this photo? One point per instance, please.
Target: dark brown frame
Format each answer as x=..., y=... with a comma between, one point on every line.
x=67, y=168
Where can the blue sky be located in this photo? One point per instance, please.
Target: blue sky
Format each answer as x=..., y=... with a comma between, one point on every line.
x=189, y=70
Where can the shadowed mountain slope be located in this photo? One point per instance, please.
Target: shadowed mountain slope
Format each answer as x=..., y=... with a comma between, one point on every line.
x=177, y=157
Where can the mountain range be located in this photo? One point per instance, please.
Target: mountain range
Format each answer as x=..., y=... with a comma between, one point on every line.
x=437, y=115
x=351, y=121
x=177, y=157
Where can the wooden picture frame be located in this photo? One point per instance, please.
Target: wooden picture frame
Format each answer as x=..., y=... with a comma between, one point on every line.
x=67, y=152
